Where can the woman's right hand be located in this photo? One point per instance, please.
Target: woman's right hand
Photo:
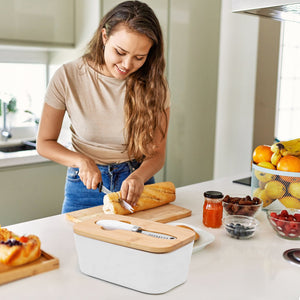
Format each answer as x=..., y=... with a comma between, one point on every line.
x=89, y=173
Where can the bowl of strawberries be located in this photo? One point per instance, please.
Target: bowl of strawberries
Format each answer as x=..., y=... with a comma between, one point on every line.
x=286, y=222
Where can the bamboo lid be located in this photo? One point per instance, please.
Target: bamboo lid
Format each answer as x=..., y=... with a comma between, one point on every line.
x=136, y=240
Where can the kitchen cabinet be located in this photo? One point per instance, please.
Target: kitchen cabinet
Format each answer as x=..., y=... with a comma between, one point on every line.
x=31, y=191
x=281, y=10
x=37, y=22
x=193, y=52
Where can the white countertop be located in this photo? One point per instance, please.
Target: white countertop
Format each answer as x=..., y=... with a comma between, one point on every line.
x=226, y=269
x=11, y=159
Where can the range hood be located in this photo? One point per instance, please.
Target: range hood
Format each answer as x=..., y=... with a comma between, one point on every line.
x=281, y=10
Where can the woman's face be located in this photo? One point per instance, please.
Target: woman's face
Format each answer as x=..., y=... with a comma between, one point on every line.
x=125, y=52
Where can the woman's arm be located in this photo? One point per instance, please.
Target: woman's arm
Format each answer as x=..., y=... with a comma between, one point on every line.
x=47, y=146
x=133, y=186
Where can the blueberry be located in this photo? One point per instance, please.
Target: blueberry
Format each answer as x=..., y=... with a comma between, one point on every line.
x=238, y=230
x=11, y=242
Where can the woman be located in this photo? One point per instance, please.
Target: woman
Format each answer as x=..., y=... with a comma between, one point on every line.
x=116, y=97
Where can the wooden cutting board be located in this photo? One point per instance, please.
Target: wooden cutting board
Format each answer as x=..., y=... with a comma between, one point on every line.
x=45, y=263
x=163, y=214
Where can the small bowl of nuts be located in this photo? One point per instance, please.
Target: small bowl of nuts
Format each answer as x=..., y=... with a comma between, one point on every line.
x=242, y=206
x=240, y=227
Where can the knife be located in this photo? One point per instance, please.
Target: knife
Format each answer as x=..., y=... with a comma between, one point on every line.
x=113, y=225
x=106, y=191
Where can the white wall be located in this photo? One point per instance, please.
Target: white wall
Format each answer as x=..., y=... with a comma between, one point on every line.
x=236, y=92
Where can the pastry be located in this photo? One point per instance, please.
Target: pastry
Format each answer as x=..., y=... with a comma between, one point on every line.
x=15, y=251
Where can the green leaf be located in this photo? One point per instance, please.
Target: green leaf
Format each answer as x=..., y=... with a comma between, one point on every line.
x=12, y=105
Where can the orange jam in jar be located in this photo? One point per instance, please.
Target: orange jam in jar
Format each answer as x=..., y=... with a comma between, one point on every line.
x=212, y=209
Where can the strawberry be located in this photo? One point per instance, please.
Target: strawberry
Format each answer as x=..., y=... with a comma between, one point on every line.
x=273, y=215
x=297, y=216
x=284, y=213
x=280, y=222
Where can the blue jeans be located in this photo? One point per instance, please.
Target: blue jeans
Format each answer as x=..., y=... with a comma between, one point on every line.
x=77, y=196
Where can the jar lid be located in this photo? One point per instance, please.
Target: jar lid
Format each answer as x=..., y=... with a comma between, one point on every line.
x=213, y=195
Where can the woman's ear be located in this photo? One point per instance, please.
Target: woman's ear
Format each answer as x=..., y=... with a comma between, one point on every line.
x=104, y=36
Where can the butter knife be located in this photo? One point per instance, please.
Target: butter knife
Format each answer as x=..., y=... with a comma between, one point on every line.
x=113, y=225
x=106, y=191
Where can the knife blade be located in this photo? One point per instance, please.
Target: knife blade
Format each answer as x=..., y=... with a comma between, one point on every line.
x=106, y=191
x=113, y=225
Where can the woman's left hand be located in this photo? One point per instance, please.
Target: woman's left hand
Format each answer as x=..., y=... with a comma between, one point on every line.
x=132, y=188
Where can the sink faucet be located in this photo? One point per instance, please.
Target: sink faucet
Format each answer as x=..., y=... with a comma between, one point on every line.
x=5, y=133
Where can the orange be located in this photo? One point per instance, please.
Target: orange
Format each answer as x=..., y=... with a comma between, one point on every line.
x=289, y=163
x=262, y=153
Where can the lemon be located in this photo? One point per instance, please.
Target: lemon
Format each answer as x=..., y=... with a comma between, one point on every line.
x=257, y=192
x=290, y=202
x=294, y=189
x=265, y=198
x=275, y=189
x=264, y=177
x=262, y=195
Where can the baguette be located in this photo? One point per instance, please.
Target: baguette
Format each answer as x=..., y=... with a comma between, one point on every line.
x=154, y=195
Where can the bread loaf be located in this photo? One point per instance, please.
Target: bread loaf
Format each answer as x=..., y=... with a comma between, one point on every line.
x=154, y=195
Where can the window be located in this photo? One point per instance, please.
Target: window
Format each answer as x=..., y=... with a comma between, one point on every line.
x=23, y=76
x=288, y=107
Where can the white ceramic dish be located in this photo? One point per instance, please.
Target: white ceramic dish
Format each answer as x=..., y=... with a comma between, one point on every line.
x=205, y=237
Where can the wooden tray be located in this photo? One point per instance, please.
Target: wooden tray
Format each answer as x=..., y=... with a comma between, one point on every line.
x=45, y=263
x=163, y=214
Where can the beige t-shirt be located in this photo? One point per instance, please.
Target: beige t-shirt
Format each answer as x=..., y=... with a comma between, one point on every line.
x=94, y=103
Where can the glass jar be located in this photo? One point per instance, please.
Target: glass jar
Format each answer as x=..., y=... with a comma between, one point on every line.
x=212, y=209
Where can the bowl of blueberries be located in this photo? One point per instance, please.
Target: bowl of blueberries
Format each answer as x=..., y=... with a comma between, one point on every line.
x=240, y=227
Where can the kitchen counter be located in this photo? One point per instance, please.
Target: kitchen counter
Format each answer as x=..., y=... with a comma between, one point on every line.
x=11, y=159
x=225, y=269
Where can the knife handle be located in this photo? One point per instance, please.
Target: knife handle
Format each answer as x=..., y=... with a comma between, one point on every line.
x=113, y=225
x=100, y=185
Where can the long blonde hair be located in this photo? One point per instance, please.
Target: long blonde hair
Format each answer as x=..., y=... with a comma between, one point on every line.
x=146, y=89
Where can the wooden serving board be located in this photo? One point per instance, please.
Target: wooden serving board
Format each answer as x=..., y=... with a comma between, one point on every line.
x=45, y=263
x=163, y=214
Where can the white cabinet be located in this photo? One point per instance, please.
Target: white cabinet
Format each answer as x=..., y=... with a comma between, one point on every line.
x=37, y=22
